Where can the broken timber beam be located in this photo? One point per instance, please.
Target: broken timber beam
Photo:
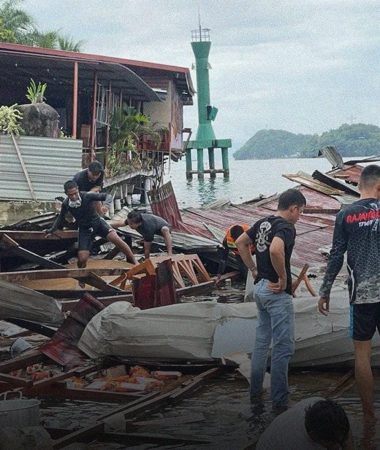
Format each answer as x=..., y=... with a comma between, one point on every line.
x=28, y=275
x=93, y=280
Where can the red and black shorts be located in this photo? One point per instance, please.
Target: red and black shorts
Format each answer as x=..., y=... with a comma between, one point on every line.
x=364, y=320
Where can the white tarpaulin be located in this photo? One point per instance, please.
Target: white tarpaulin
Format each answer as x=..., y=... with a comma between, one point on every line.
x=176, y=331
x=205, y=330
x=22, y=303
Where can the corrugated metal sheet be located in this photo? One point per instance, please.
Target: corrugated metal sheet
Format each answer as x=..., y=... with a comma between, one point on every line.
x=49, y=162
x=306, y=180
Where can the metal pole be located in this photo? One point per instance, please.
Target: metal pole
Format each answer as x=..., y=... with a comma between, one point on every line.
x=93, y=118
x=75, y=101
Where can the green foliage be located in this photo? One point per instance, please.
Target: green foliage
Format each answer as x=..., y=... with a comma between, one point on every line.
x=127, y=127
x=10, y=118
x=5, y=34
x=14, y=19
x=350, y=140
x=35, y=93
x=66, y=43
x=19, y=26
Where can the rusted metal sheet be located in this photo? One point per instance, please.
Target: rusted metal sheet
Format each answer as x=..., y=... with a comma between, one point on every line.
x=351, y=174
x=307, y=180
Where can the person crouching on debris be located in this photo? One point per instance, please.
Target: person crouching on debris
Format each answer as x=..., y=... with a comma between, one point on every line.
x=274, y=238
x=148, y=225
x=357, y=232
x=313, y=423
x=82, y=208
x=229, y=245
x=91, y=180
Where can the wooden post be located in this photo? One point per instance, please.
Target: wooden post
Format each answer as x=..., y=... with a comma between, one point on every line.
x=93, y=117
x=75, y=101
x=109, y=106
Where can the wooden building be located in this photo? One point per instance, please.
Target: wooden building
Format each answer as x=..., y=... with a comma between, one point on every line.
x=84, y=89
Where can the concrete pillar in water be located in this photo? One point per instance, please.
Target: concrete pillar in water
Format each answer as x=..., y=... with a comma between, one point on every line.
x=200, y=163
x=189, y=166
x=226, y=167
x=211, y=162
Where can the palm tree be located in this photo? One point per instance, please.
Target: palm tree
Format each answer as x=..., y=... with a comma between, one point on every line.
x=20, y=23
x=48, y=39
x=66, y=43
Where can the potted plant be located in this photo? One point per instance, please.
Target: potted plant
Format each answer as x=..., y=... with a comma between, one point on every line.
x=39, y=118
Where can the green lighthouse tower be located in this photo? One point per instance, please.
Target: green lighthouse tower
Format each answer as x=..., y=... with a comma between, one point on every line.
x=205, y=137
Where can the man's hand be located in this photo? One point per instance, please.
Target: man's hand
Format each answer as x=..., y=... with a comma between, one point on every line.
x=278, y=287
x=253, y=271
x=48, y=232
x=217, y=281
x=324, y=305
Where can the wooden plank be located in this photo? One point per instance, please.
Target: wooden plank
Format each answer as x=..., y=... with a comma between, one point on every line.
x=59, y=390
x=14, y=247
x=58, y=235
x=24, y=168
x=22, y=361
x=15, y=381
x=27, y=275
x=196, y=289
x=194, y=383
x=157, y=438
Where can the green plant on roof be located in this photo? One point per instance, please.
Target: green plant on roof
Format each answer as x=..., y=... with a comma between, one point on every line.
x=10, y=120
x=35, y=92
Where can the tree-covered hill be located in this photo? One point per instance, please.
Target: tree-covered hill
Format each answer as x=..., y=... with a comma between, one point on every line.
x=350, y=140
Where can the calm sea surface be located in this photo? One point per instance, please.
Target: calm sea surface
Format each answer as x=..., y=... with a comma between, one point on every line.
x=247, y=179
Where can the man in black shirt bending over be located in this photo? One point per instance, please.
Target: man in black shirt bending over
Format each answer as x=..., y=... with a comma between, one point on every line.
x=91, y=180
x=357, y=232
x=82, y=208
x=148, y=225
x=273, y=238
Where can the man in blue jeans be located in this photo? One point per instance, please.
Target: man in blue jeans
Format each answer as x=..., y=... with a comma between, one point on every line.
x=273, y=238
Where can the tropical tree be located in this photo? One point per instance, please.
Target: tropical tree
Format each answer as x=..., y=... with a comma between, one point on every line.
x=5, y=34
x=18, y=26
x=17, y=21
x=66, y=43
x=48, y=39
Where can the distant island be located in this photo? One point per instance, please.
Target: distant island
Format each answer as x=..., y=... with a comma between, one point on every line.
x=350, y=140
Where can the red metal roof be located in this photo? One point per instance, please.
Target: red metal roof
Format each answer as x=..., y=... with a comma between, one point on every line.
x=78, y=56
x=181, y=74
x=314, y=231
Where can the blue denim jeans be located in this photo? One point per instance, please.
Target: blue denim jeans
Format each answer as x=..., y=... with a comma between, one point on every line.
x=275, y=324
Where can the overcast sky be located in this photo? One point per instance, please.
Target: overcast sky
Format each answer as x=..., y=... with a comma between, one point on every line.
x=305, y=66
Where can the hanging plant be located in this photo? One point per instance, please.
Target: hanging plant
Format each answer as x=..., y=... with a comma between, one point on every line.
x=10, y=120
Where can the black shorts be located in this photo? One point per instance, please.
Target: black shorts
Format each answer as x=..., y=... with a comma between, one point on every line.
x=364, y=319
x=100, y=228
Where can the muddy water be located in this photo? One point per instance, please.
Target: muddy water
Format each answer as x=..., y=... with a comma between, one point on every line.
x=219, y=414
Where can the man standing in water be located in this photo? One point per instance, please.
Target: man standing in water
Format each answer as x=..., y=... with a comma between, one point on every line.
x=357, y=231
x=81, y=205
x=273, y=238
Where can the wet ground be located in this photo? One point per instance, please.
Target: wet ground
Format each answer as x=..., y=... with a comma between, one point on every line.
x=219, y=414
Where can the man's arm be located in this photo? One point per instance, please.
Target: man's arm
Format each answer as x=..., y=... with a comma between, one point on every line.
x=277, y=257
x=243, y=244
x=97, y=196
x=168, y=239
x=58, y=222
x=223, y=253
x=335, y=262
x=147, y=246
